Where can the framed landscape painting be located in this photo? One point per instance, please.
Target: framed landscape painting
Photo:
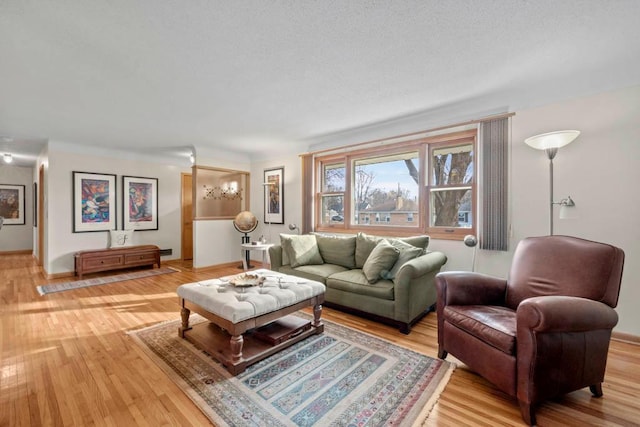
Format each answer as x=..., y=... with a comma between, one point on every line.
x=94, y=202
x=274, y=196
x=12, y=204
x=140, y=203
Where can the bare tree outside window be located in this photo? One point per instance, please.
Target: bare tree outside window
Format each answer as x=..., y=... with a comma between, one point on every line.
x=452, y=176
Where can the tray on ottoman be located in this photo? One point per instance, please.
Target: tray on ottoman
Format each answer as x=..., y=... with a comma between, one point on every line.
x=282, y=329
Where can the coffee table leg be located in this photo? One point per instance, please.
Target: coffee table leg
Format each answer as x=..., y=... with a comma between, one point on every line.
x=236, y=343
x=184, y=314
x=317, y=312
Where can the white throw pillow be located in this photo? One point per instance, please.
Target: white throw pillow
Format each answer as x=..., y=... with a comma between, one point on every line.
x=120, y=238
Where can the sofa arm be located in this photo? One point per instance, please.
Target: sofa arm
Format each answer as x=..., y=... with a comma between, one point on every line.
x=468, y=288
x=275, y=257
x=414, y=288
x=420, y=266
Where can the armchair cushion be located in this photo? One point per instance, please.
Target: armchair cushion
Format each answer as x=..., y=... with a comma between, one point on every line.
x=491, y=324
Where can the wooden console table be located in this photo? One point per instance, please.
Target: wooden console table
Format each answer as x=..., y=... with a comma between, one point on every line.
x=92, y=261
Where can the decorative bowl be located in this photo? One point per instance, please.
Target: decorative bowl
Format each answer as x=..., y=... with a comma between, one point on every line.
x=246, y=280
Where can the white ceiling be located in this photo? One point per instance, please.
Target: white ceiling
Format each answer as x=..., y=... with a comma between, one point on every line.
x=258, y=75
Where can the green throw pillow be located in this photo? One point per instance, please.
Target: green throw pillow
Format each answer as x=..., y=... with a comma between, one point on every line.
x=417, y=241
x=382, y=258
x=364, y=245
x=337, y=250
x=407, y=253
x=301, y=250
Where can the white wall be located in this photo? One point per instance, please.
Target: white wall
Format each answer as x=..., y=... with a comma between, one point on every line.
x=18, y=237
x=62, y=243
x=598, y=171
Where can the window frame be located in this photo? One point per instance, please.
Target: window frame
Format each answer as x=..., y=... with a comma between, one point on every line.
x=424, y=147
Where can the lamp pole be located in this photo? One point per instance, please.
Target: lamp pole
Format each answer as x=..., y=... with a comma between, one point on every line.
x=551, y=153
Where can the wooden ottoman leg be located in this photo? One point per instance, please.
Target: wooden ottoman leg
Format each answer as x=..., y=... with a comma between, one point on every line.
x=236, y=348
x=317, y=323
x=184, y=314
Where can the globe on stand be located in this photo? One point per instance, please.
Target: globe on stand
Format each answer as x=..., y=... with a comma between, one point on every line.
x=245, y=222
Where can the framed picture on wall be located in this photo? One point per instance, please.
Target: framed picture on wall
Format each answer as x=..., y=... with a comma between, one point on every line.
x=274, y=195
x=12, y=204
x=139, y=203
x=94, y=202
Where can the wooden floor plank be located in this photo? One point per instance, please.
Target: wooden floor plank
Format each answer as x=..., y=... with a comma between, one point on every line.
x=67, y=360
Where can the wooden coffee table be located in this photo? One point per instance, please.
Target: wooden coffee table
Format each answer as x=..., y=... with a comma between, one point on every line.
x=235, y=314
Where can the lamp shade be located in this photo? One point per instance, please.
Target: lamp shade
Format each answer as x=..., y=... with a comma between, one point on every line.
x=552, y=139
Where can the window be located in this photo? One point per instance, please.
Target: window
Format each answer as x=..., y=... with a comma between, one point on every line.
x=425, y=185
x=451, y=188
x=386, y=187
x=332, y=193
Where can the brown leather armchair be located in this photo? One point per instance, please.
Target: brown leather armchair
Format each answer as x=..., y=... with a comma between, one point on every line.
x=542, y=332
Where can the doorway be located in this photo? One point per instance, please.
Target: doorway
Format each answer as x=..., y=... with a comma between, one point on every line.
x=40, y=216
x=187, y=216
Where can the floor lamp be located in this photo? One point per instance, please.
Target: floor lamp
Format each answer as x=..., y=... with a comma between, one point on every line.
x=550, y=142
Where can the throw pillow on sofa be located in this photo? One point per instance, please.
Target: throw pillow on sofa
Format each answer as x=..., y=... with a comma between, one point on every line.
x=381, y=258
x=365, y=243
x=417, y=241
x=301, y=250
x=407, y=253
x=337, y=250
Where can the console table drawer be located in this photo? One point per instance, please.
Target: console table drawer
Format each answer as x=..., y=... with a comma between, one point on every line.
x=146, y=258
x=99, y=262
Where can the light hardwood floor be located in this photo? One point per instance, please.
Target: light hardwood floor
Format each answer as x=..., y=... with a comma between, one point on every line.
x=67, y=360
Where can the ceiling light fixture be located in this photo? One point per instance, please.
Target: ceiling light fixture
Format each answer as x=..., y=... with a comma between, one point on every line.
x=8, y=158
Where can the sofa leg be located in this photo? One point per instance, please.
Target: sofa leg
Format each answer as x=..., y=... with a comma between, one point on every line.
x=596, y=390
x=405, y=328
x=528, y=413
x=442, y=353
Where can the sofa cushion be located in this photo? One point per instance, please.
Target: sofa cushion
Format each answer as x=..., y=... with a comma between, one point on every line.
x=301, y=250
x=364, y=245
x=382, y=258
x=407, y=253
x=355, y=282
x=337, y=249
x=319, y=273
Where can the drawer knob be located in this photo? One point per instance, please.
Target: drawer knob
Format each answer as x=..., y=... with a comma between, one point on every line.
x=101, y=262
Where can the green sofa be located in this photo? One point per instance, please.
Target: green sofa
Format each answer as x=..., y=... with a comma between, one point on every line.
x=390, y=280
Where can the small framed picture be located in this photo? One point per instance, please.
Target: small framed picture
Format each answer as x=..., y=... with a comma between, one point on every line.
x=94, y=202
x=12, y=204
x=140, y=203
x=274, y=196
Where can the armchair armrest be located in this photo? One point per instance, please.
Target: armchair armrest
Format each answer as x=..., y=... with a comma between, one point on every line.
x=564, y=314
x=468, y=288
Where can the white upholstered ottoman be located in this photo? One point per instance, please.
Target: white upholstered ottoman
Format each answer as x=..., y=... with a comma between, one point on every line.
x=235, y=313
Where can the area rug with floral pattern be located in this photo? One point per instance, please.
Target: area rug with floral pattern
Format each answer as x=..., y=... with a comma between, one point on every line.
x=342, y=377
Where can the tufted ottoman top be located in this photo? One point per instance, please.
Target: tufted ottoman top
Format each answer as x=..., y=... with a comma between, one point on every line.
x=237, y=304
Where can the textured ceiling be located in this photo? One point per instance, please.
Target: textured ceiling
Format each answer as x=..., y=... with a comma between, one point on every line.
x=256, y=74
